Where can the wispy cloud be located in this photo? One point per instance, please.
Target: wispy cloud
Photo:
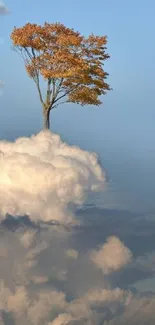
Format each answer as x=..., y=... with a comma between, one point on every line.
x=1, y=87
x=3, y=9
x=1, y=84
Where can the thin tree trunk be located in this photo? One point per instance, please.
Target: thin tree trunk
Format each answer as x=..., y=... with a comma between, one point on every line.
x=46, y=119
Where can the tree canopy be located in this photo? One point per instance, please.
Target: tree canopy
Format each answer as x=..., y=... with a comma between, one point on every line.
x=71, y=64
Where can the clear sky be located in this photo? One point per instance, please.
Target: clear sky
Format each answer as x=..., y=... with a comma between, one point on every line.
x=124, y=124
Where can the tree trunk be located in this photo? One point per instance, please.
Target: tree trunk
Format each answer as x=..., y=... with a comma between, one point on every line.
x=46, y=117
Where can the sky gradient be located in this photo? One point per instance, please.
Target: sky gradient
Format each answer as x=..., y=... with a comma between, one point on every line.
x=122, y=129
x=129, y=109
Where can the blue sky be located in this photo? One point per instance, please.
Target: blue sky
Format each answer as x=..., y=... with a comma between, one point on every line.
x=124, y=125
x=129, y=109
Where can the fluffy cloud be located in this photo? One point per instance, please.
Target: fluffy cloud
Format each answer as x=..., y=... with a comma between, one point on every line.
x=33, y=308
x=38, y=289
x=112, y=256
x=43, y=177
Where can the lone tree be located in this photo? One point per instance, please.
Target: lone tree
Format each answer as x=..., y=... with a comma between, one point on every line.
x=71, y=64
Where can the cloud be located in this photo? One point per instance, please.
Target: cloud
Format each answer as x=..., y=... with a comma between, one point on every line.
x=62, y=319
x=112, y=256
x=102, y=296
x=39, y=279
x=140, y=311
x=100, y=301
x=47, y=274
x=38, y=288
x=72, y=253
x=45, y=178
x=32, y=309
x=3, y=9
x=27, y=238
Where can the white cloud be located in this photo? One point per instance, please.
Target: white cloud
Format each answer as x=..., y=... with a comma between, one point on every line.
x=42, y=177
x=112, y=256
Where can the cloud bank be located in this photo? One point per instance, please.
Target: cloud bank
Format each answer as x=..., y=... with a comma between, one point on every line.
x=35, y=293
x=45, y=276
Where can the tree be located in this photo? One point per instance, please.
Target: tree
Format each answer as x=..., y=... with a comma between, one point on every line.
x=71, y=64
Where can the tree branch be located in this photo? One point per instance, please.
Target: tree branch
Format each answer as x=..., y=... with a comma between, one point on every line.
x=48, y=91
x=36, y=80
x=58, y=87
x=52, y=91
x=67, y=92
x=55, y=91
x=39, y=91
x=66, y=101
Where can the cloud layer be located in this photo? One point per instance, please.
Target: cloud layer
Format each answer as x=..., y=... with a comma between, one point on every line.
x=47, y=275
x=39, y=290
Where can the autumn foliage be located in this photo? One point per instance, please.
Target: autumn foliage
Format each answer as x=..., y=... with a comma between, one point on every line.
x=71, y=64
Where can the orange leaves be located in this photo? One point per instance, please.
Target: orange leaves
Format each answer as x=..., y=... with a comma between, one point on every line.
x=98, y=41
x=30, y=70
x=84, y=95
x=57, y=52
x=28, y=36
x=61, y=63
